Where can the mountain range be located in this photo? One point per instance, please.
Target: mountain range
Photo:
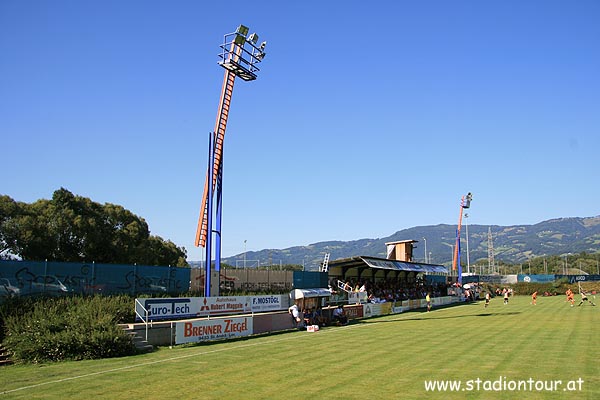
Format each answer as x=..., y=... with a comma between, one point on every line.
x=511, y=244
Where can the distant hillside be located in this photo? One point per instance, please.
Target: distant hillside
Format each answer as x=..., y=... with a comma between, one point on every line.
x=512, y=244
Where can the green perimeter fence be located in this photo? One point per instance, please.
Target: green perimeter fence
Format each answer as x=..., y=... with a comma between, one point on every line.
x=24, y=278
x=27, y=278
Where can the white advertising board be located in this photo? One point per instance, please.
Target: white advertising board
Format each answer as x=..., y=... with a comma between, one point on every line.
x=357, y=297
x=192, y=307
x=372, y=310
x=212, y=329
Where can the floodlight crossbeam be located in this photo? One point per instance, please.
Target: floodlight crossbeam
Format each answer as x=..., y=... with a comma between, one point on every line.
x=239, y=70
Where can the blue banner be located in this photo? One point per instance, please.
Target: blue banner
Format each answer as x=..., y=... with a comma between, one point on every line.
x=535, y=278
x=580, y=278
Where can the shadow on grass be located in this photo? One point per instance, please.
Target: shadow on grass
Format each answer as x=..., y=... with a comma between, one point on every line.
x=234, y=339
x=429, y=316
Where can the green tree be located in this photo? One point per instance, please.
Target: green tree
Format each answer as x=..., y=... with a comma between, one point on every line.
x=9, y=212
x=129, y=235
x=74, y=228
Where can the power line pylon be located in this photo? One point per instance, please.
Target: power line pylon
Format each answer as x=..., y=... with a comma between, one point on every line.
x=491, y=264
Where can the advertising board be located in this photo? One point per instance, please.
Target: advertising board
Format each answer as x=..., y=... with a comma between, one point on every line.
x=192, y=307
x=212, y=329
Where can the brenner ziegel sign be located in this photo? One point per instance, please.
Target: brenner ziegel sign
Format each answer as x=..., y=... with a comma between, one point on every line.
x=212, y=329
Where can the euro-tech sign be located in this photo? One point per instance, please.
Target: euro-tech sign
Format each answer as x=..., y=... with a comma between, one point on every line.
x=166, y=308
x=212, y=329
x=192, y=307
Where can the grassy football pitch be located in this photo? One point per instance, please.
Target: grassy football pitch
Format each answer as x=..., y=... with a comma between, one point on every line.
x=547, y=351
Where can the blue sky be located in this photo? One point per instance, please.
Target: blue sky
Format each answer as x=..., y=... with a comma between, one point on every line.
x=367, y=117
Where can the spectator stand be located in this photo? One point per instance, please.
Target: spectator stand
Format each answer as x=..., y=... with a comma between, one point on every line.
x=377, y=280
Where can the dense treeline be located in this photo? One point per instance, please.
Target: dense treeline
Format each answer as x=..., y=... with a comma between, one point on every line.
x=72, y=228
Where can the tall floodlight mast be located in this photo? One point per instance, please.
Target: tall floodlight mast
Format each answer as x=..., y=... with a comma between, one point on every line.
x=465, y=202
x=240, y=55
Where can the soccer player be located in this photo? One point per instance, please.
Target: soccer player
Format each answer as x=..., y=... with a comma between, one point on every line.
x=570, y=299
x=585, y=298
x=487, y=299
x=534, y=298
x=428, y=300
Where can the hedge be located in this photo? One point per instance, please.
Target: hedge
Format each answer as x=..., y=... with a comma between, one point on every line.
x=67, y=328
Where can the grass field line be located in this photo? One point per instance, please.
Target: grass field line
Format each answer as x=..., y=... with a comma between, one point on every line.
x=185, y=356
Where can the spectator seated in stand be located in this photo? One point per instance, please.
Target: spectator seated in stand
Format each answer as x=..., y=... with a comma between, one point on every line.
x=339, y=316
x=318, y=318
x=308, y=317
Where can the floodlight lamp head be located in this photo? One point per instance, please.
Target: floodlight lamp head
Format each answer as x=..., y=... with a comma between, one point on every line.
x=253, y=38
x=242, y=30
x=467, y=200
x=239, y=40
x=262, y=46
